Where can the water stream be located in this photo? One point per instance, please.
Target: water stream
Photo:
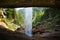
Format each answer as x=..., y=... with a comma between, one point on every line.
x=28, y=21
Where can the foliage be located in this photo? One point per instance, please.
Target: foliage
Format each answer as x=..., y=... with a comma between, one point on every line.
x=49, y=17
x=19, y=20
x=14, y=19
x=10, y=13
x=37, y=15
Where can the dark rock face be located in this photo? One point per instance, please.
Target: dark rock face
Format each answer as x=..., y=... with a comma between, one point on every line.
x=6, y=34
x=39, y=29
x=39, y=33
x=19, y=3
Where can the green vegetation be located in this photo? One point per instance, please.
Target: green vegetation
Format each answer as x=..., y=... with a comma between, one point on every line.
x=14, y=19
x=49, y=17
x=19, y=20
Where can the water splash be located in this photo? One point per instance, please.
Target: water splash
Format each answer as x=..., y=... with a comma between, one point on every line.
x=28, y=21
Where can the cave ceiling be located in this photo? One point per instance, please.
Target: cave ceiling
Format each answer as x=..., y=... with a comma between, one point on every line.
x=29, y=3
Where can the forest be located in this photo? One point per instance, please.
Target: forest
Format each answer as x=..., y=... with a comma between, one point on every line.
x=45, y=20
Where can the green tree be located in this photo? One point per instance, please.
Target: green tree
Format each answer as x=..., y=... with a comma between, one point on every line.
x=10, y=13
x=19, y=20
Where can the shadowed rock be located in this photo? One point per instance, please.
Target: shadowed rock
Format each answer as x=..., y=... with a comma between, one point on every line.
x=19, y=3
x=6, y=34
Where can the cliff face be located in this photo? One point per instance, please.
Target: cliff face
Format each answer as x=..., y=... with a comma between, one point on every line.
x=19, y=3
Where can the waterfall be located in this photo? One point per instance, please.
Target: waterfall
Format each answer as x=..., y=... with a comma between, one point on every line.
x=28, y=21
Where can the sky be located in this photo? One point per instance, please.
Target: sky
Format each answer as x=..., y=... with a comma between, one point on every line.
x=19, y=8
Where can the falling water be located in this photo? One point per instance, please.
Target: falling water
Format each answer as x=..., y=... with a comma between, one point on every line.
x=28, y=21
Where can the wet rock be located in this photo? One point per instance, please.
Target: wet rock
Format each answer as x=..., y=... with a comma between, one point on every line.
x=50, y=34
x=40, y=28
